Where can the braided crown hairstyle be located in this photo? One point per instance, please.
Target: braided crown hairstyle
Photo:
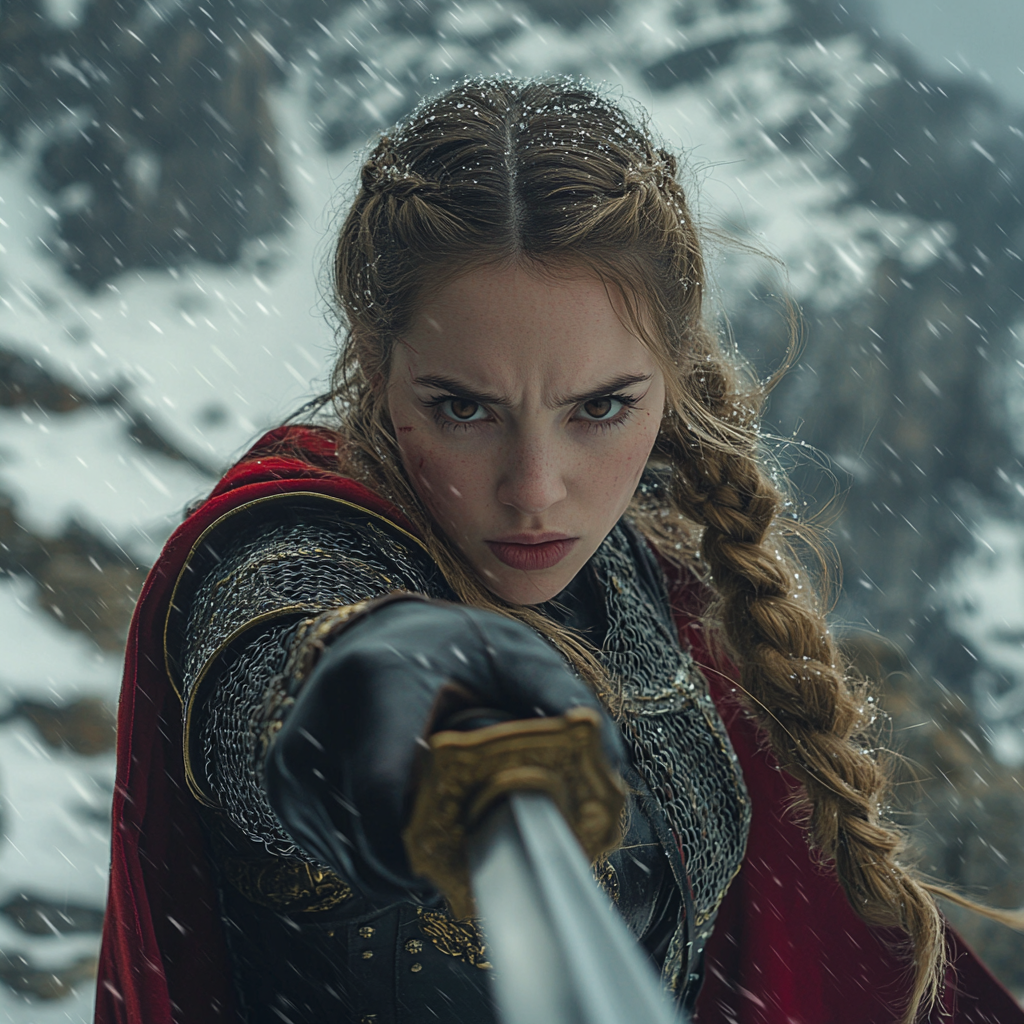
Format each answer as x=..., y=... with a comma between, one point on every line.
x=552, y=174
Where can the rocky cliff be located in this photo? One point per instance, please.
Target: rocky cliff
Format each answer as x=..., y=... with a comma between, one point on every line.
x=165, y=169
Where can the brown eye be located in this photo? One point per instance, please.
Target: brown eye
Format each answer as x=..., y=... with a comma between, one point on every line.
x=598, y=408
x=604, y=408
x=462, y=410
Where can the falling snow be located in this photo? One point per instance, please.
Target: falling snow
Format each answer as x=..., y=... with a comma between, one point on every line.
x=795, y=147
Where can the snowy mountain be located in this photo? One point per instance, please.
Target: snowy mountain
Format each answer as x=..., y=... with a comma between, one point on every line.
x=170, y=174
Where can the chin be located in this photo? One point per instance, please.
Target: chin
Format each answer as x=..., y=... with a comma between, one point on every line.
x=528, y=588
x=528, y=597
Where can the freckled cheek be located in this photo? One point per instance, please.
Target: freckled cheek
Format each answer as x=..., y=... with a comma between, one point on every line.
x=417, y=459
x=638, y=457
x=446, y=482
x=609, y=482
x=628, y=462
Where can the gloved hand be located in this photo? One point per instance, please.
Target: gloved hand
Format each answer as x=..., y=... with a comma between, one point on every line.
x=339, y=773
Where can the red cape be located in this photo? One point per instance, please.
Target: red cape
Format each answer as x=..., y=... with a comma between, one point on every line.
x=787, y=949
x=163, y=957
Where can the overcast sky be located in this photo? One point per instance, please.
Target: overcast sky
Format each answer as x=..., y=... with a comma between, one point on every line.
x=979, y=37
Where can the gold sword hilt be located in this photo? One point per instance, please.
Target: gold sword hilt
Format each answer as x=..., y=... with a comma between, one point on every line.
x=465, y=773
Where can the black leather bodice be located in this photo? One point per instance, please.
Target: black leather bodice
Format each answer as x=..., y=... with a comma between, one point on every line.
x=346, y=960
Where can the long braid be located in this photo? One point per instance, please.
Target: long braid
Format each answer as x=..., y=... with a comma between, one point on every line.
x=817, y=719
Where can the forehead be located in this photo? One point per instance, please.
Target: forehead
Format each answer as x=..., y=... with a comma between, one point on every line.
x=511, y=324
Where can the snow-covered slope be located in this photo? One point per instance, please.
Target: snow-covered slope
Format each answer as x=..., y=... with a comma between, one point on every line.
x=175, y=369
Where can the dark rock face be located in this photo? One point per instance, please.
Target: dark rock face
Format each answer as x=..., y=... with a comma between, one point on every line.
x=85, y=726
x=84, y=581
x=687, y=66
x=161, y=148
x=26, y=382
x=22, y=975
x=903, y=387
x=27, y=40
x=91, y=600
x=39, y=916
x=162, y=145
x=966, y=809
x=907, y=393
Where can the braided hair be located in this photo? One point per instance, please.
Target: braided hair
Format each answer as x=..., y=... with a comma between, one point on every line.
x=550, y=173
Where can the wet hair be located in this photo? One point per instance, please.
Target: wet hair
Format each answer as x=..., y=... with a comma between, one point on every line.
x=552, y=175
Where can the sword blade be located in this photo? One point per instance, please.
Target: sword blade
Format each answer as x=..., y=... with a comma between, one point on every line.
x=561, y=953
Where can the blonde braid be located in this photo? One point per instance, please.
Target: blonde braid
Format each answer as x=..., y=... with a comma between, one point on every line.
x=816, y=717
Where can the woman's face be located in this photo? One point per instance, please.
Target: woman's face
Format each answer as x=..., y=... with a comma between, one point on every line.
x=525, y=412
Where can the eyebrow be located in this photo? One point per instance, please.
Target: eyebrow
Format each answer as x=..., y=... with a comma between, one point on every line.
x=463, y=390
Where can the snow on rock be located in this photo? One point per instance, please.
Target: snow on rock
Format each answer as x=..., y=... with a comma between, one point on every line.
x=986, y=594
x=55, y=808
x=213, y=355
x=208, y=356
x=80, y=466
x=43, y=659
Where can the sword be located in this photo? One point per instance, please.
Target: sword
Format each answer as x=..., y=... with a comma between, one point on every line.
x=504, y=821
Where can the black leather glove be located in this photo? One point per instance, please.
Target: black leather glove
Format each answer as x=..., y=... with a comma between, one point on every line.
x=339, y=773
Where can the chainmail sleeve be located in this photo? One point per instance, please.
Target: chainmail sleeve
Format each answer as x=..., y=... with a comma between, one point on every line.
x=247, y=594
x=232, y=730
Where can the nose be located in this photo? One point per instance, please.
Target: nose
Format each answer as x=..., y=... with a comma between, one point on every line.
x=532, y=478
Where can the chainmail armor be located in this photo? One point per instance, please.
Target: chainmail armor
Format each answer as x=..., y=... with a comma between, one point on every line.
x=296, y=567
x=231, y=736
x=300, y=566
x=305, y=565
x=679, y=742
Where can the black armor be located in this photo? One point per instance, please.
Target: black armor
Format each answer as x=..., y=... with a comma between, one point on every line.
x=309, y=948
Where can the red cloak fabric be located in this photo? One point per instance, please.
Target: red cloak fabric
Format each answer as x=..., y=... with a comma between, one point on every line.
x=786, y=950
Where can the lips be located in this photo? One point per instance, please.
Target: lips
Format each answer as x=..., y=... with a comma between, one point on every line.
x=540, y=551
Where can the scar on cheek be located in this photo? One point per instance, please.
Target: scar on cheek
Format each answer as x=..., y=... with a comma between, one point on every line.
x=423, y=462
x=404, y=430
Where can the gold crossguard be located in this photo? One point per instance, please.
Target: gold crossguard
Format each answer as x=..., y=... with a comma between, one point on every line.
x=466, y=773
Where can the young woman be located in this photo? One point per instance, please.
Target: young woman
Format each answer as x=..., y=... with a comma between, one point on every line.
x=544, y=488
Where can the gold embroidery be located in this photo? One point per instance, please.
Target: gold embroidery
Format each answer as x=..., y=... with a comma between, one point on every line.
x=606, y=876
x=287, y=885
x=460, y=939
x=672, y=974
x=313, y=636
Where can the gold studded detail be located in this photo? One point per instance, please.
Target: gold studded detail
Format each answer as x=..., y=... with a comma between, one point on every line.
x=460, y=939
x=367, y=954
x=366, y=932
x=368, y=1018
x=416, y=968
x=414, y=946
x=285, y=884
